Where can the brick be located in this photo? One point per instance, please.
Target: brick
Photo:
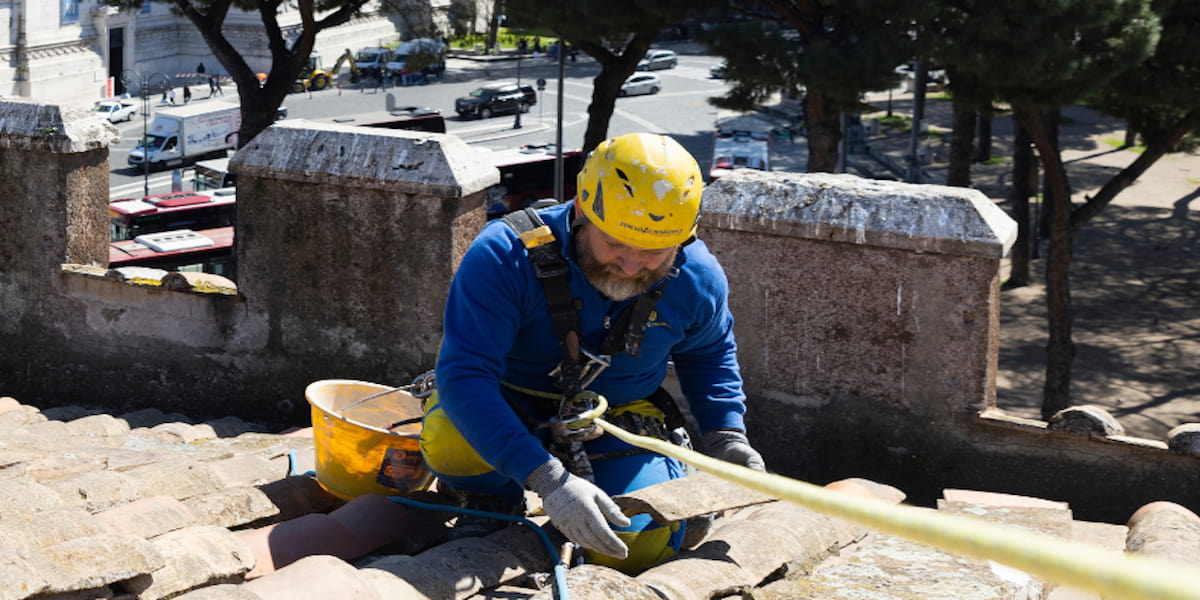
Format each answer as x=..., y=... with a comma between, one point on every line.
x=19, y=417
x=197, y=557
x=62, y=466
x=98, y=425
x=180, y=479
x=55, y=430
x=232, y=507
x=20, y=575
x=47, y=528
x=185, y=432
x=246, y=469
x=98, y=490
x=91, y=562
x=8, y=403
x=297, y=496
x=314, y=577
x=23, y=496
x=224, y=591
x=148, y=517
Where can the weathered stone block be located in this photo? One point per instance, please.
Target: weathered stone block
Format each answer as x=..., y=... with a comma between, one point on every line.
x=246, y=470
x=180, y=479
x=47, y=528
x=196, y=557
x=231, y=507
x=23, y=496
x=91, y=562
x=98, y=490
x=148, y=517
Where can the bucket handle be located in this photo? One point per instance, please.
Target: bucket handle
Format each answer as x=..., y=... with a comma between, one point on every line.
x=421, y=387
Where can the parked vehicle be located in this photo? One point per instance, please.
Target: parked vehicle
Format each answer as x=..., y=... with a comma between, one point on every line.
x=184, y=134
x=204, y=250
x=717, y=71
x=316, y=77
x=658, y=59
x=740, y=142
x=641, y=83
x=426, y=55
x=116, y=110
x=527, y=175
x=496, y=98
x=372, y=61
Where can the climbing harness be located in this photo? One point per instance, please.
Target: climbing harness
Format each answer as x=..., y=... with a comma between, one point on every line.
x=579, y=366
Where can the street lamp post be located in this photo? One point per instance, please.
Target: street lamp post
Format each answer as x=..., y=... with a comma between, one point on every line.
x=159, y=81
x=521, y=104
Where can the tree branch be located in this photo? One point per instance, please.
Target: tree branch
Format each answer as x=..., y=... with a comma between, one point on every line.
x=1128, y=175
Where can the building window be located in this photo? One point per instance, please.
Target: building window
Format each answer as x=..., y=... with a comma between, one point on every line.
x=70, y=11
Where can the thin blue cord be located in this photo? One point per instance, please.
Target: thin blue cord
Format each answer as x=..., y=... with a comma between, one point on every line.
x=560, y=569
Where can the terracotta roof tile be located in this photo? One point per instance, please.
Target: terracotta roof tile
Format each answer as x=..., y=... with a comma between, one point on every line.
x=148, y=517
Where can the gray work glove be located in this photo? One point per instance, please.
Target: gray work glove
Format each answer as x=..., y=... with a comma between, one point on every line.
x=579, y=509
x=732, y=446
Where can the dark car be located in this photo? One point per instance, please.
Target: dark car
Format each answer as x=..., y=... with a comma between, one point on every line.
x=496, y=98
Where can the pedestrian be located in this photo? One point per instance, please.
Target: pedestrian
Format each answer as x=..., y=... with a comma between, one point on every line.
x=187, y=94
x=171, y=96
x=635, y=284
x=217, y=81
x=212, y=86
x=404, y=75
x=200, y=68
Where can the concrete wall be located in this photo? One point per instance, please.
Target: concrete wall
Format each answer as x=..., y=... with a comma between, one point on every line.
x=348, y=238
x=867, y=311
x=867, y=316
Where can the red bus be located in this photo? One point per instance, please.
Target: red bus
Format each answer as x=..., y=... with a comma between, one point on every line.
x=527, y=175
x=206, y=250
x=131, y=217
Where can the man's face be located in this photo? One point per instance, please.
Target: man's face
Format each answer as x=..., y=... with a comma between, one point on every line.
x=616, y=269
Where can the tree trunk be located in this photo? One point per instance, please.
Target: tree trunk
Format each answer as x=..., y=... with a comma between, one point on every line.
x=1024, y=185
x=493, y=27
x=962, y=140
x=1049, y=119
x=983, y=152
x=1060, y=350
x=914, y=164
x=823, y=126
x=614, y=70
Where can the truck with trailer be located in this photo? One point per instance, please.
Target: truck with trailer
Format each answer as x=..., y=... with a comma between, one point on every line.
x=184, y=134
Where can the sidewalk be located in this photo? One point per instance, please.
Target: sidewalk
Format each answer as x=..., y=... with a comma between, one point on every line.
x=1135, y=280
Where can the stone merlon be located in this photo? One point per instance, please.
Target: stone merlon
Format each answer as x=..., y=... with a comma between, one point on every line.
x=59, y=128
x=395, y=160
x=845, y=208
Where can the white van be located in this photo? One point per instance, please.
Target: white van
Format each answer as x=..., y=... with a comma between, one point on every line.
x=434, y=51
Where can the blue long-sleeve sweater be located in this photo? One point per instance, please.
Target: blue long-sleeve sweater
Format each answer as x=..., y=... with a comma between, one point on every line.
x=497, y=327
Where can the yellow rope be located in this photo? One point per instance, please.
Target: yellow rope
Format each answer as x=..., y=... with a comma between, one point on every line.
x=1112, y=575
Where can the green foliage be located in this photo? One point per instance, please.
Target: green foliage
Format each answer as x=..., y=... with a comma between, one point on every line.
x=840, y=50
x=1157, y=94
x=505, y=37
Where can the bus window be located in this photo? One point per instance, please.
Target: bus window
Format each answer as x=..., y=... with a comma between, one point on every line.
x=212, y=175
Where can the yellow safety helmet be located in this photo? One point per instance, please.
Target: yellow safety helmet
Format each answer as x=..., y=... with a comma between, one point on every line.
x=642, y=189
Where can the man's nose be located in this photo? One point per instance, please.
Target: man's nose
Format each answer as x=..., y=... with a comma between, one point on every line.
x=630, y=265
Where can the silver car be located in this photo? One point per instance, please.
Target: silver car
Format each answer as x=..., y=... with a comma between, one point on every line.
x=641, y=83
x=658, y=59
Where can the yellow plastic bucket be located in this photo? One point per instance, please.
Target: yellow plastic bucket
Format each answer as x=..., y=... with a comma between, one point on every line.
x=358, y=451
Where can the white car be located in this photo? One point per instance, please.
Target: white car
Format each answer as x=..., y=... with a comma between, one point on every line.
x=116, y=110
x=658, y=59
x=641, y=83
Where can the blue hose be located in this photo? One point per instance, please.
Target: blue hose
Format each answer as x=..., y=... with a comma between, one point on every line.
x=560, y=567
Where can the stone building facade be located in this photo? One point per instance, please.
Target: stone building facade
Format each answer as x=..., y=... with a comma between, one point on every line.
x=78, y=50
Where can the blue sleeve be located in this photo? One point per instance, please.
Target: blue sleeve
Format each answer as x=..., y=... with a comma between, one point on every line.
x=483, y=315
x=706, y=359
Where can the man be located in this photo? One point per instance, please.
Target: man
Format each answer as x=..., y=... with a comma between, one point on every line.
x=637, y=280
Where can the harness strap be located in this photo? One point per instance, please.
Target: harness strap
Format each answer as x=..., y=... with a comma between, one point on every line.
x=552, y=270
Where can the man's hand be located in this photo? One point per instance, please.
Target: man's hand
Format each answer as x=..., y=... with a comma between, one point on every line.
x=579, y=509
x=732, y=446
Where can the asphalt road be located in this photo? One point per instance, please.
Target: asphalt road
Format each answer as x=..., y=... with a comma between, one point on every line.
x=680, y=110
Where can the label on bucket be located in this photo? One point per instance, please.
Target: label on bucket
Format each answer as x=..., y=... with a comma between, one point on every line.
x=400, y=468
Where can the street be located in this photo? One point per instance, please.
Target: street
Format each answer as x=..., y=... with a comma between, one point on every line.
x=680, y=110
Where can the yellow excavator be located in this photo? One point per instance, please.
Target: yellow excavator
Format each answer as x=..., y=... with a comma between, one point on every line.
x=318, y=78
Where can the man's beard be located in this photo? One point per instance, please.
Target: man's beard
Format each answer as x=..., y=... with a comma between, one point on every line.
x=611, y=281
